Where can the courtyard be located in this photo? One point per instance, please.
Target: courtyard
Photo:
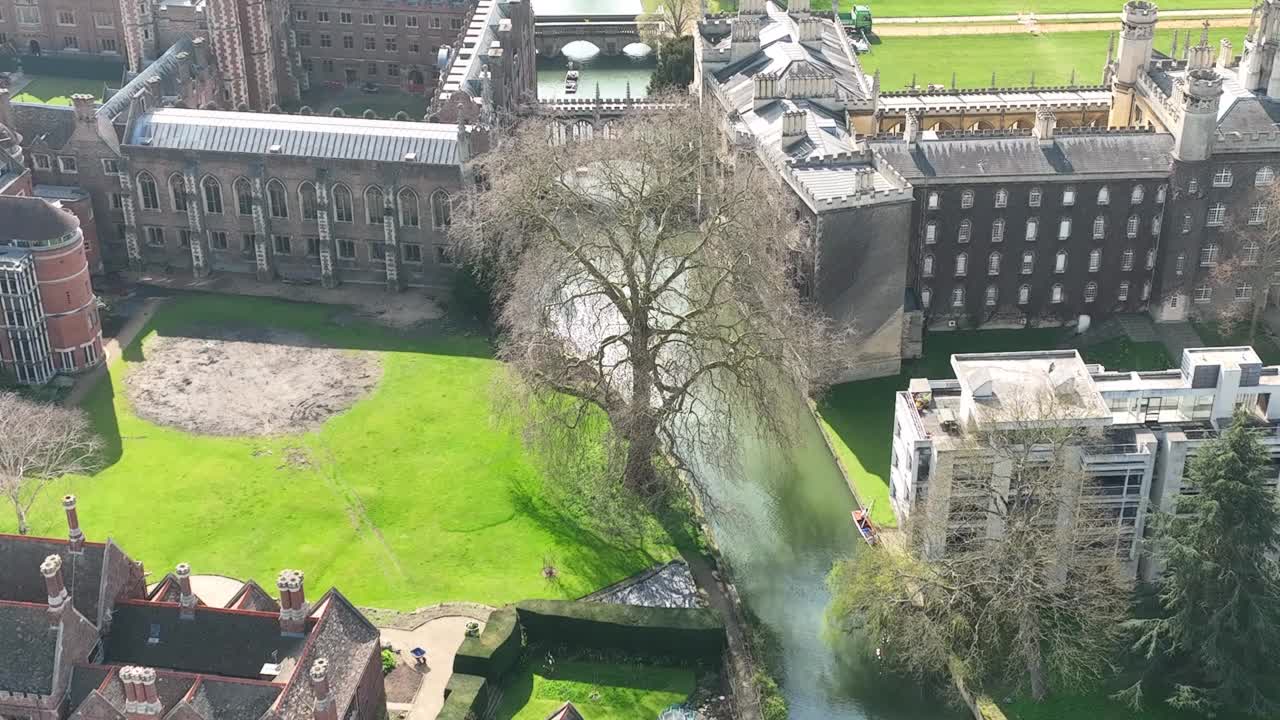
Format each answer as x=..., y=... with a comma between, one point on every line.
x=600, y=691
x=353, y=100
x=57, y=90
x=390, y=477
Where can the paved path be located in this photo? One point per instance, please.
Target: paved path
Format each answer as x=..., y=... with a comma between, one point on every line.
x=111, y=351
x=440, y=638
x=1111, y=17
x=1177, y=337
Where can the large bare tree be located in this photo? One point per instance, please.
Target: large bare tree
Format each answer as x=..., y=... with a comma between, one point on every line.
x=647, y=274
x=670, y=18
x=40, y=443
x=1016, y=575
x=1248, y=260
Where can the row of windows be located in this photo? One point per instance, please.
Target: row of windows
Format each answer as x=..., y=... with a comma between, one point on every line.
x=283, y=245
x=389, y=44
x=277, y=200
x=1036, y=195
x=1057, y=295
x=30, y=15
x=965, y=230
x=995, y=260
x=371, y=69
x=1241, y=293
x=71, y=43
x=388, y=19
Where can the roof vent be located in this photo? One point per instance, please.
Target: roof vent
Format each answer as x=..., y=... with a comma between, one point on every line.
x=154, y=637
x=269, y=671
x=275, y=149
x=411, y=157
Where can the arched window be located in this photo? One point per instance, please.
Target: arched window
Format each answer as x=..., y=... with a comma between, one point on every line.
x=1151, y=259
x=997, y=230
x=926, y=297
x=1099, y=227
x=1055, y=294
x=408, y=201
x=1064, y=228
x=930, y=228
x=1265, y=176
x=1209, y=255
x=374, y=206
x=926, y=266
x=993, y=295
x=1203, y=293
x=147, y=191
x=1002, y=198
x=1095, y=260
x=343, y=208
x=1217, y=215
x=212, y=195
x=1131, y=226
x=1126, y=259
x=1156, y=223
x=277, y=199
x=1033, y=229
x=966, y=199
x=1028, y=262
x=1160, y=191
x=965, y=231
x=244, y=197
x=933, y=201
x=1060, y=262
x=1090, y=292
x=1222, y=178
x=307, y=199
x=1251, y=254
x=1123, y=293
x=993, y=264
x=441, y=210
x=1136, y=195
x=1104, y=195
x=962, y=264
x=1146, y=289
x=1024, y=294
x=957, y=297
x=178, y=192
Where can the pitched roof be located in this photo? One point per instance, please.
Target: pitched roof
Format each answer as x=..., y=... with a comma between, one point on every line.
x=20, y=558
x=306, y=136
x=235, y=643
x=347, y=639
x=51, y=125
x=566, y=712
x=29, y=648
x=224, y=700
x=251, y=596
x=164, y=67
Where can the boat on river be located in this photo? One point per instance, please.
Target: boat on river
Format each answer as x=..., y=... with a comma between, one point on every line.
x=571, y=82
x=866, y=528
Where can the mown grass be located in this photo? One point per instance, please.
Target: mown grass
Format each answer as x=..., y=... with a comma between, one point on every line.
x=600, y=691
x=51, y=90
x=1013, y=58
x=1216, y=335
x=413, y=496
x=1124, y=354
x=952, y=8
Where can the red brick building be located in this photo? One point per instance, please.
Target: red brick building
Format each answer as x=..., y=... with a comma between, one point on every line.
x=81, y=638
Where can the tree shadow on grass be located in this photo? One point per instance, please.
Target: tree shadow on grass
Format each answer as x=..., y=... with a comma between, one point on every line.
x=99, y=405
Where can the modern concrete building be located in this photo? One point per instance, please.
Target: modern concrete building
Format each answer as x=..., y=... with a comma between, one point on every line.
x=1137, y=431
x=48, y=310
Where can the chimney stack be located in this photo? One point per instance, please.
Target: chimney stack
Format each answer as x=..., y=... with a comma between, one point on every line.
x=293, y=603
x=1225, y=55
x=1046, y=124
x=141, y=699
x=793, y=124
x=324, y=707
x=85, y=107
x=911, y=131
x=73, y=524
x=186, y=599
x=51, y=568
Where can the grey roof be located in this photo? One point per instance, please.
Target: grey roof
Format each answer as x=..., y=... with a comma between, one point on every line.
x=991, y=157
x=20, y=559
x=164, y=66
x=306, y=136
x=51, y=125
x=347, y=639
x=84, y=680
x=27, y=649
x=464, y=68
x=228, y=700
x=782, y=53
x=33, y=219
x=251, y=596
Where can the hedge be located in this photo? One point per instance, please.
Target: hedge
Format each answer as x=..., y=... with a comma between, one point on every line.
x=464, y=697
x=694, y=634
x=495, y=651
x=85, y=68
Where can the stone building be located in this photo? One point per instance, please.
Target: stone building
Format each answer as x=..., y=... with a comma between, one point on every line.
x=81, y=637
x=82, y=27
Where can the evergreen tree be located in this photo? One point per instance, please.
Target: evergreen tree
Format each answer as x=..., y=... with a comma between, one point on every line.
x=675, y=66
x=1218, y=634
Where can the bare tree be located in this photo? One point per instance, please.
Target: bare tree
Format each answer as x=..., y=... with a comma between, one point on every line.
x=40, y=443
x=670, y=18
x=1248, y=261
x=1015, y=575
x=647, y=275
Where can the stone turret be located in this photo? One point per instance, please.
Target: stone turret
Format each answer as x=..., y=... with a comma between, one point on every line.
x=745, y=39
x=911, y=127
x=798, y=7
x=1046, y=125
x=1199, y=95
x=1138, y=27
x=1257, y=60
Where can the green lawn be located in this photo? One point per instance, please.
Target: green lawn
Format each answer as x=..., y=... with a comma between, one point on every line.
x=930, y=8
x=1214, y=336
x=1012, y=58
x=599, y=691
x=414, y=496
x=52, y=90
x=1124, y=354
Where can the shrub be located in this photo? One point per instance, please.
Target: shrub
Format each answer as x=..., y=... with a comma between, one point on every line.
x=495, y=651
x=388, y=660
x=772, y=704
x=464, y=697
x=682, y=633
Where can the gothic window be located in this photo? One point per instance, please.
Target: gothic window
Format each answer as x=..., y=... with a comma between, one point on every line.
x=1126, y=259
x=1160, y=191
x=244, y=197
x=966, y=199
x=1136, y=195
x=277, y=199
x=957, y=297
x=997, y=230
x=1104, y=195
x=441, y=210
x=178, y=192
x=1095, y=260
x=1222, y=178
x=1131, y=227
x=993, y=294
x=1099, y=227
x=147, y=190
x=1028, y=262
x=993, y=264
x=1033, y=228
x=1090, y=292
x=926, y=266
x=1064, y=228
x=1123, y=293
x=1265, y=176
x=1060, y=262
x=307, y=198
x=926, y=296
x=1024, y=294
x=1217, y=215
x=930, y=231
x=1055, y=294
x=408, y=201
x=212, y=195
x=373, y=206
x=1002, y=198
x=343, y=208
x=962, y=264
x=1156, y=223
x=966, y=229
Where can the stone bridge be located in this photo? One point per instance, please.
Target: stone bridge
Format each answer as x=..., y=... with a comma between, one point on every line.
x=610, y=33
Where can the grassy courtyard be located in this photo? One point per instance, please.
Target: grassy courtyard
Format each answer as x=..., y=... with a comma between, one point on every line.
x=599, y=691
x=413, y=496
x=1214, y=335
x=53, y=90
x=951, y=8
x=386, y=102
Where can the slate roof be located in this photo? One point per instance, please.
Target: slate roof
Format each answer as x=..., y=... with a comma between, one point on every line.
x=308, y=136
x=51, y=125
x=20, y=559
x=223, y=700
x=251, y=596
x=464, y=69
x=164, y=66
x=84, y=680
x=219, y=642
x=566, y=712
x=27, y=649
x=1100, y=154
x=347, y=639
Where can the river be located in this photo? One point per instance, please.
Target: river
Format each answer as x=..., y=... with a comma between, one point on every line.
x=782, y=520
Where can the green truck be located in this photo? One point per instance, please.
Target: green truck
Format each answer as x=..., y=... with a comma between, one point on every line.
x=857, y=20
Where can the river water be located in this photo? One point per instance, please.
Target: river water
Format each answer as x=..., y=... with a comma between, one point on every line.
x=781, y=520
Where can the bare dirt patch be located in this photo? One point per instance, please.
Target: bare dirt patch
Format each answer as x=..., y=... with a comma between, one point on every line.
x=216, y=381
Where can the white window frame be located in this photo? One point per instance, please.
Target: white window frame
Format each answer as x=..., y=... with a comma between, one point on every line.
x=1223, y=177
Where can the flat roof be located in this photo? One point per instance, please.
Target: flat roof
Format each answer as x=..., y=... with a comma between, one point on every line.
x=1029, y=386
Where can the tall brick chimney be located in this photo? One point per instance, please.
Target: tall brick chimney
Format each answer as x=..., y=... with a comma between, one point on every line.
x=85, y=106
x=293, y=603
x=73, y=523
x=141, y=699
x=51, y=568
x=324, y=708
x=186, y=599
